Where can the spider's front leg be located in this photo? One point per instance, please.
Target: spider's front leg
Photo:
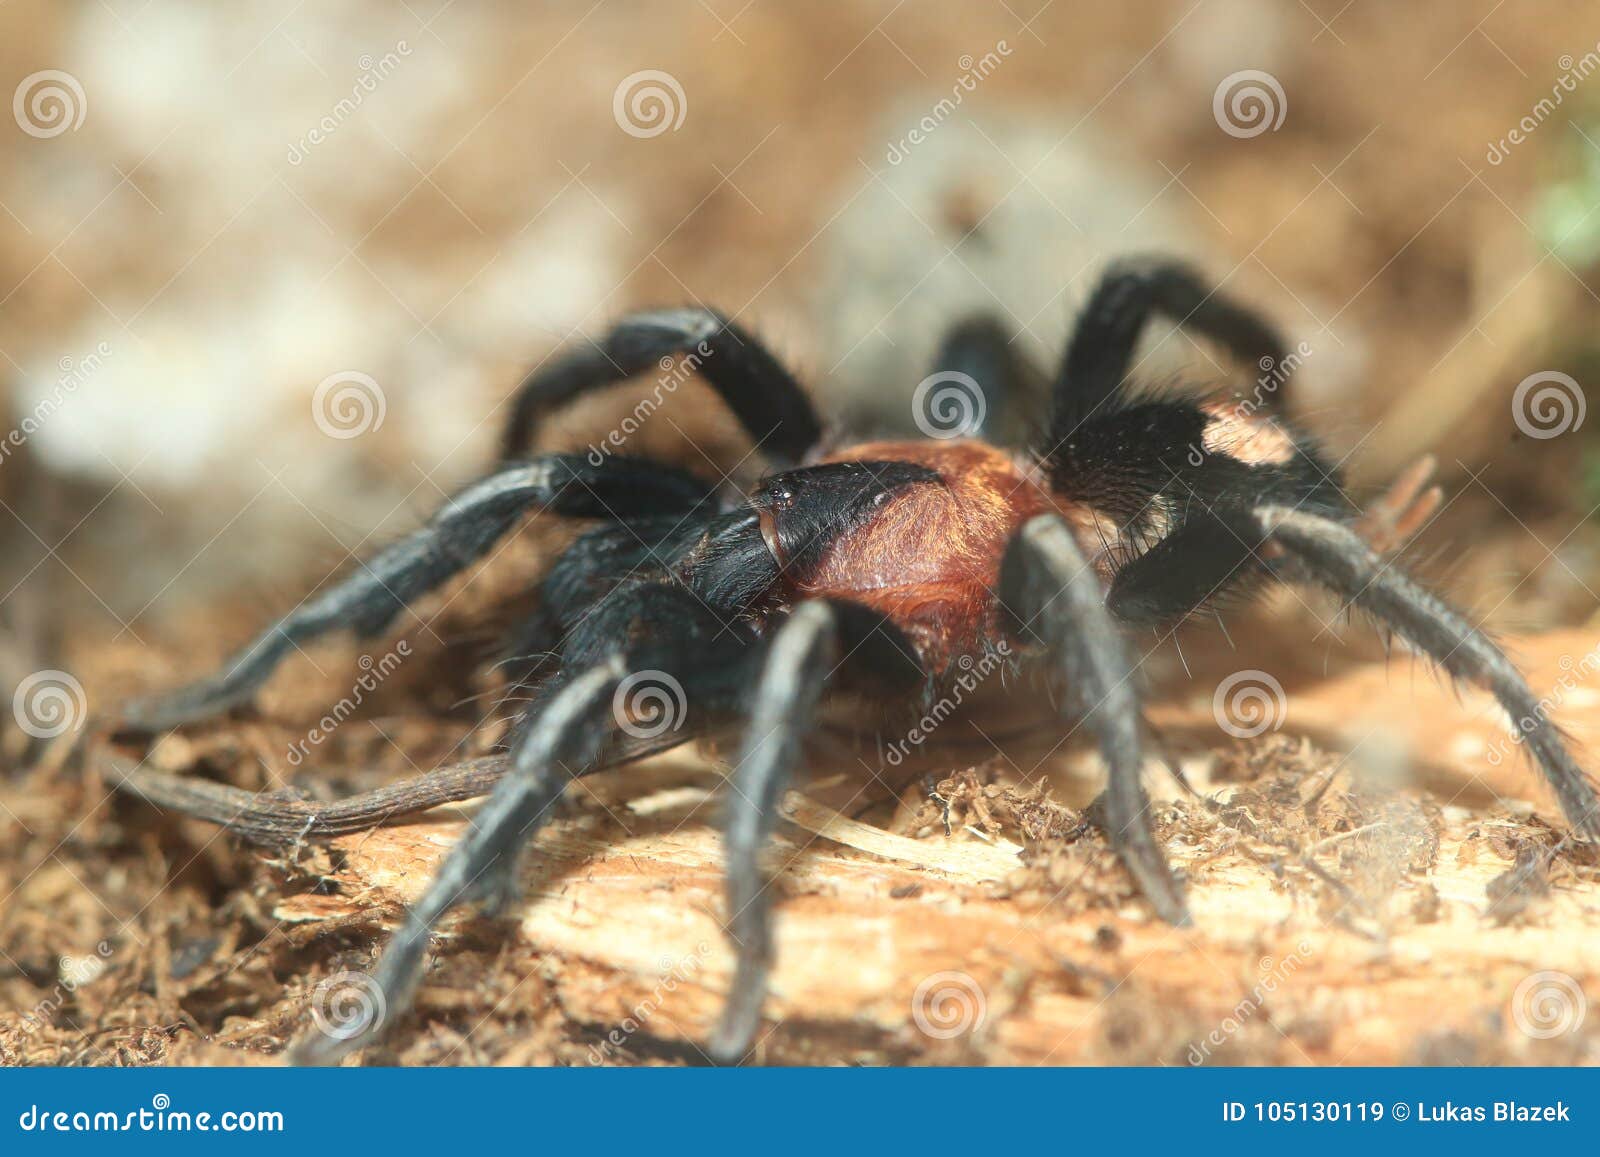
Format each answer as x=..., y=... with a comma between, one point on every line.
x=481, y=866
x=1055, y=601
x=819, y=640
x=680, y=645
x=678, y=641
x=459, y=534
x=1328, y=553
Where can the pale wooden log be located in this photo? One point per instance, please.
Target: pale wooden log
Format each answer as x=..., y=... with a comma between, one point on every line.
x=624, y=925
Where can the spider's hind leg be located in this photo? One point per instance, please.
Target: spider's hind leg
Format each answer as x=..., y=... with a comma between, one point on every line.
x=1100, y=353
x=983, y=349
x=762, y=394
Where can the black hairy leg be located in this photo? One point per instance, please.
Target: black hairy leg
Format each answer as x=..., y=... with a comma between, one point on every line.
x=1226, y=523
x=754, y=385
x=1335, y=556
x=460, y=533
x=1191, y=567
x=1100, y=353
x=815, y=640
x=1055, y=602
x=482, y=865
x=983, y=348
x=647, y=636
x=654, y=631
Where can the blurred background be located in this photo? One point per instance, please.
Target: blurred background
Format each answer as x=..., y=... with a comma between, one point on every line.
x=206, y=218
x=269, y=271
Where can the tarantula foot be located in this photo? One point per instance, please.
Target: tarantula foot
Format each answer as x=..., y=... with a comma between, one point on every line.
x=236, y=684
x=734, y=1037
x=175, y=708
x=1160, y=886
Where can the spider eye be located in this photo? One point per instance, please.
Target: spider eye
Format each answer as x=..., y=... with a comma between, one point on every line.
x=803, y=512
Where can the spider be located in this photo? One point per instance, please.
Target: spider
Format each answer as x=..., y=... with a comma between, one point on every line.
x=862, y=577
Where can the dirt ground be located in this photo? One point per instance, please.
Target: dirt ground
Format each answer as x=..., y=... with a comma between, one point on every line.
x=1377, y=877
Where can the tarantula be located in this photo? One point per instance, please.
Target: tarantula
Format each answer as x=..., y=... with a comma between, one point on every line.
x=861, y=577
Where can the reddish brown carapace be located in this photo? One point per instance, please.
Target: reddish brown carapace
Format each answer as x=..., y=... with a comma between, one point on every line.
x=929, y=560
